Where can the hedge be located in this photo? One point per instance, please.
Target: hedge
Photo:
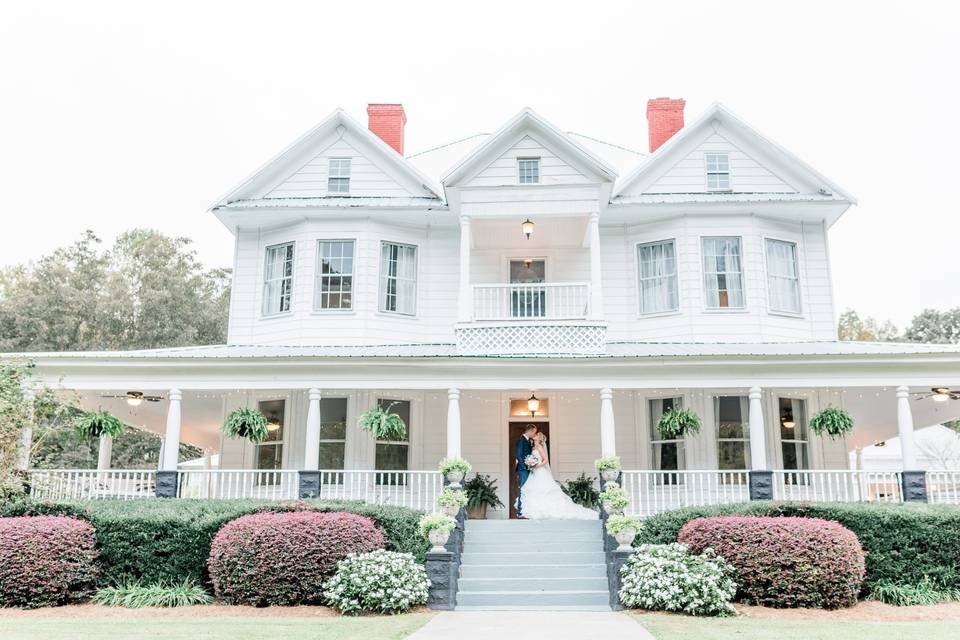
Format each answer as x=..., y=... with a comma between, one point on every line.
x=168, y=540
x=903, y=542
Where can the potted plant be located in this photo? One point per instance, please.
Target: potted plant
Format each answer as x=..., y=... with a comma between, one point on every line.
x=454, y=470
x=608, y=467
x=481, y=492
x=833, y=422
x=677, y=423
x=614, y=500
x=248, y=423
x=436, y=527
x=91, y=426
x=582, y=492
x=624, y=529
x=451, y=501
x=383, y=423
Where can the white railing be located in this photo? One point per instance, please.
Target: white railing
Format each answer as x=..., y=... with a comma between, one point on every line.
x=412, y=489
x=537, y=301
x=90, y=484
x=231, y=484
x=653, y=492
x=943, y=487
x=840, y=485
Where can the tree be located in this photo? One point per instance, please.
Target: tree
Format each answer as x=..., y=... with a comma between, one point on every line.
x=852, y=328
x=932, y=326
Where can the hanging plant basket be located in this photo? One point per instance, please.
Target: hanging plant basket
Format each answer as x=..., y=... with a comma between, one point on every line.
x=246, y=423
x=677, y=423
x=91, y=426
x=832, y=422
x=383, y=424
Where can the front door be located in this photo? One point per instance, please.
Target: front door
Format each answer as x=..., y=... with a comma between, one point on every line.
x=514, y=433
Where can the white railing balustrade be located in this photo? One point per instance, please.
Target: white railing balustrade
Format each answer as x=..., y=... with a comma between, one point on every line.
x=653, y=492
x=232, y=484
x=840, y=485
x=412, y=489
x=531, y=301
x=943, y=487
x=91, y=484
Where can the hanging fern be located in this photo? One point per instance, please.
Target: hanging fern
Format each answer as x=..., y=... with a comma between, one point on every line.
x=383, y=424
x=833, y=422
x=677, y=423
x=246, y=423
x=91, y=426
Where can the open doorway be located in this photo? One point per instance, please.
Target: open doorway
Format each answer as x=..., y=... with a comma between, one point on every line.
x=515, y=431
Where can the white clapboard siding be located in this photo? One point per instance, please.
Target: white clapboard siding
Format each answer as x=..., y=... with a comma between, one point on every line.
x=503, y=171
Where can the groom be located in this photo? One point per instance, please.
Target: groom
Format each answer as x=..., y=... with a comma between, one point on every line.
x=521, y=450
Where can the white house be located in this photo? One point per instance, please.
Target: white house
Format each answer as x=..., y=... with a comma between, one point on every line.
x=456, y=283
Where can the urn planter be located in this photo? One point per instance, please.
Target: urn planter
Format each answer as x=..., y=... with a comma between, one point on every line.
x=438, y=538
x=610, y=475
x=454, y=477
x=450, y=510
x=612, y=509
x=625, y=538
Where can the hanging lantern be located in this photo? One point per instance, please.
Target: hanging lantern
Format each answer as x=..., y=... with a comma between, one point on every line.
x=533, y=404
x=527, y=228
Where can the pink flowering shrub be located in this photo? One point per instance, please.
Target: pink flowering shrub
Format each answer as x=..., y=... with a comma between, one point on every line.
x=46, y=561
x=784, y=562
x=284, y=558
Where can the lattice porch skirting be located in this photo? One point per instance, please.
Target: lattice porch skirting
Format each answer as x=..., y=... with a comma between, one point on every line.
x=531, y=339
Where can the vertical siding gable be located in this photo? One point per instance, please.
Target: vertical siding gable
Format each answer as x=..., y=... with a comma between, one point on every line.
x=503, y=170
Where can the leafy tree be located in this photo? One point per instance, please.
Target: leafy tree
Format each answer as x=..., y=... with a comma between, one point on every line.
x=942, y=327
x=852, y=328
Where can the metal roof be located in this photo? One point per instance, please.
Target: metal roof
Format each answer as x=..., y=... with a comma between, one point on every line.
x=365, y=202
x=739, y=196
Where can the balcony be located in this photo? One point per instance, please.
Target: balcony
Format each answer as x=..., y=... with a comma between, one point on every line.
x=531, y=301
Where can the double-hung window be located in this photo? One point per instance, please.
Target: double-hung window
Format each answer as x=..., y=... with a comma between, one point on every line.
x=528, y=170
x=733, y=432
x=718, y=171
x=338, y=177
x=793, y=435
x=278, y=279
x=333, y=289
x=398, y=278
x=393, y=455
x=333, y=433
x=269, y=453
x=658, y=277
x=783, y=283
x=668, y=454
x=723, y=273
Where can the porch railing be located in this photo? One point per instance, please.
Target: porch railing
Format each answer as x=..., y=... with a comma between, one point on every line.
x=943, y=487
x=653, y=492
x=411, y=489
x=91, y=484
x=840, y=485
x=231, y=484
x=536, y=301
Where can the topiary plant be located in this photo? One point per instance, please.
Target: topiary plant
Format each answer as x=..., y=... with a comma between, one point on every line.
x=91, y=426
x=383, y=423
x=246, y=423
x=833, y=422
x=677, y=423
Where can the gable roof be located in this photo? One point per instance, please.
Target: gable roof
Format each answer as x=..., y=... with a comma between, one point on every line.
x=743, y=134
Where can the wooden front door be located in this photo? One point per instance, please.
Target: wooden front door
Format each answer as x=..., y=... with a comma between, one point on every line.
x=515, y=431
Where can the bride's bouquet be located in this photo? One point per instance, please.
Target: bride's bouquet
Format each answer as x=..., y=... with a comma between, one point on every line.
x=532, y=460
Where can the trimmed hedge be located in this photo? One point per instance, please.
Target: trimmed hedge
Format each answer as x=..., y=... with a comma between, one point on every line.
x=903, y=542
x=46, y=561
x=159, y=540
x=784, y=562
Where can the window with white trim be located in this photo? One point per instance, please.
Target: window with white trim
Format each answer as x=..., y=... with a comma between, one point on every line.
x=333, y=433
x=398, y=278
x=278, y=279
x=528, y=169
x=723, y=273
x=733, y=432
x=393, y=455
x=783, y=281
x=668, y=454
x=793, y=434
x=658, y=277
x=338, y=176
x=269, y=453
x=718, y=171
x=333, y=289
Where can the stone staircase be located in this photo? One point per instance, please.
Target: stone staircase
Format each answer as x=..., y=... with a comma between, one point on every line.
x=533, y=564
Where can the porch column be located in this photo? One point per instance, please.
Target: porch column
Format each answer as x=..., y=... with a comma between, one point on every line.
x=465, y=300
x=453, y=423
x=905, y=428
x=26, y=434
x=758, y=440
x=104, y=452
x=596, y=283
x=311, y=449
x=608, y=429
x=171, y=440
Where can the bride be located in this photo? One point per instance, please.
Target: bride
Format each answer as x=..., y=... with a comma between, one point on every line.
x=541, y=496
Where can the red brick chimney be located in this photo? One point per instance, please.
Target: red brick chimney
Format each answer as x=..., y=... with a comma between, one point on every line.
x=664, y=118
x=387, y=120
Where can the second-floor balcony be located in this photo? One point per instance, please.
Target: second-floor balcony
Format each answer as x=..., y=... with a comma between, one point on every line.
x=531, y=301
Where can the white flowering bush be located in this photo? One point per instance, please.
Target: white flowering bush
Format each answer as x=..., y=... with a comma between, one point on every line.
x=378, y=581
x=667, y=577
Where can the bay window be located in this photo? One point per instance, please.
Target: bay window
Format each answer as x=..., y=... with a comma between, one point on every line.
x=658, y=277
x=398, y=278
x=278, y=279
x=783, y=282
x=333, y=289
x=723, y=273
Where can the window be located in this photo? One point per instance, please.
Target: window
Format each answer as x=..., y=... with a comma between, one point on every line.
x=658, y=277
x=393, y=455
x=783, y=282
x=793, y=433
x=733, y=432
x=668, y=455
x=269, y=453
x=529, y=170
x=718, y=171
x=338, y=177
x=398, y=278
x=333, y=432
x=334, y=280
x=529, y=298
x=723, y=273
x=278, y=279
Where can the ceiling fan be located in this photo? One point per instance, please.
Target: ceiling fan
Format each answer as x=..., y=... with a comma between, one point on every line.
x=939, y=394
x=134, y=398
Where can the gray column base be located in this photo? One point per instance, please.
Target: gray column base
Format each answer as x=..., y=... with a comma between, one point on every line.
x=914, y=486
x=616, y=560
x=308, y=484
x=442, y=570
x=761, y=485
x=166, y=484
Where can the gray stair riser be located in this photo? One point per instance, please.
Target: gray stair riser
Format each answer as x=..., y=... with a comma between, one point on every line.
x=540, y=571
x=555, y=607
x=541, y=599
x=467, y=585
x=529, y=526
x=588, y=537
x=583, y=557
x=540, y=547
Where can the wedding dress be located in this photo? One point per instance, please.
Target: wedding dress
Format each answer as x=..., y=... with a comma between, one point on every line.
x=543, y=499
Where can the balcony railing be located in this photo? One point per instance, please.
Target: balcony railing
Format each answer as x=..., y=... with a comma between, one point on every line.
x=537, y=301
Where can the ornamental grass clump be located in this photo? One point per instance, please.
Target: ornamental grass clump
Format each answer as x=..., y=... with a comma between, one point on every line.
x=669, y=578
x=134, y=595
x=377, y=582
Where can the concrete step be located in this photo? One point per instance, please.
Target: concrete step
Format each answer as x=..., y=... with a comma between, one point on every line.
x=534, y=558
x=527, y=570
x=490, y=537
x=527, y=527
x=526, y=584
x=533, y=599
x=539, y=546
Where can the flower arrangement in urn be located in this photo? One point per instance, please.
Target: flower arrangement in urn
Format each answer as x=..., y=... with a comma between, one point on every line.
x=436, y=527
x=624, y=529
x=608, y=467
x=614, y=499
x=451, y=501
x=454, y=470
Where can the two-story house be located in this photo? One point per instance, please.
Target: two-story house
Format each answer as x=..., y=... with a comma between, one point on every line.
x=529, y=275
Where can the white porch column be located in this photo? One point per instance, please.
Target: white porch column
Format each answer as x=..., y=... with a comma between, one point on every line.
x=608, y=428
x=104, y=452
x=465, y=300
x=311, y=447
x=758, y=433
x=596, y=282
x=453, y=423
x=26, y=435
x=905, y=428
x=171, y=440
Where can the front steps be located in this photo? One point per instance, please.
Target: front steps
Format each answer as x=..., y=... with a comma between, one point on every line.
x=533, y=564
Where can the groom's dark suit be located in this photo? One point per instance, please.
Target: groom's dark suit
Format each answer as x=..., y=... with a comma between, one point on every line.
x=521, y=450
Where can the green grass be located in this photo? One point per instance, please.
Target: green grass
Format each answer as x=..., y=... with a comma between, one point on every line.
x=212, y=628
x=677, y=627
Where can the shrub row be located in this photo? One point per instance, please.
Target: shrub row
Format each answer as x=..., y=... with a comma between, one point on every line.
x=903, y=542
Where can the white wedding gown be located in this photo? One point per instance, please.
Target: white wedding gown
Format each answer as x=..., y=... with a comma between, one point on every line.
x=542, y=499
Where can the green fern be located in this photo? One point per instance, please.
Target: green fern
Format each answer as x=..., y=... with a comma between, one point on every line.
x=383, y=424
x=246, y=423
x=677, y=423
x=92, y=425
x=833, y=422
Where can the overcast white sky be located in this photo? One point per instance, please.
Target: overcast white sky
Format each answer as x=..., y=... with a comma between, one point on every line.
x=128, y=114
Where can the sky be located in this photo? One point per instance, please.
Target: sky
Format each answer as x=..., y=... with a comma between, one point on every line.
x=137, y=114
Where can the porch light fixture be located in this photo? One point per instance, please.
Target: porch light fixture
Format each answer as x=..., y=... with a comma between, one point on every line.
x=134, y=398
x=273, y=426
x=527, y=228
x=941, y=395
x=533, y=404
x=787, y=421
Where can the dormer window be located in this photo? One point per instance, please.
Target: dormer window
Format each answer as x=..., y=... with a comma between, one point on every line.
x=529, y=170
x=718, y=171
x=338, y=178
